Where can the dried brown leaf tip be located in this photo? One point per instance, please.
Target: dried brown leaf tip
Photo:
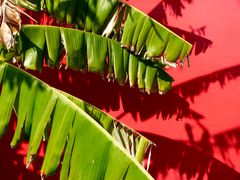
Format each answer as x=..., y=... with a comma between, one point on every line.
x=10, y=20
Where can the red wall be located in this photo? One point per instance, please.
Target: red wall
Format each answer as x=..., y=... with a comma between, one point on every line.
x=207, y=93
x=196, y=126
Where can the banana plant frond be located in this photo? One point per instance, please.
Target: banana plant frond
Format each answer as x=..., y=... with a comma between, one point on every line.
x=135, y=30
x=132, y=141
x=33, y=5
x=77, y=132
x=146, y=37
x=87, y=51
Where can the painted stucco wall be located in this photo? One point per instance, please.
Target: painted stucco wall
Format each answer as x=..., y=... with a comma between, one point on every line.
x=196, y=126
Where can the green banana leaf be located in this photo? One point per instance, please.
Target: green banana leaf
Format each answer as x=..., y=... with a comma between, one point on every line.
x=33, y=5
x=87, y=51
x=93, y=144
x=146, y=37
x=141, y=34
x=127, y=137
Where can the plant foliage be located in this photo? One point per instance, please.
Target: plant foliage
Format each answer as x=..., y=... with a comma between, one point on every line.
x=71, y=127
x=107, y=37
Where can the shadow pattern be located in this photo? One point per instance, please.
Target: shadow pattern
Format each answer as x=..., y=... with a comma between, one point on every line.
x=93, y=89
x=174, y=6
x=195, y=87
x=187, y=161
x=224, y=142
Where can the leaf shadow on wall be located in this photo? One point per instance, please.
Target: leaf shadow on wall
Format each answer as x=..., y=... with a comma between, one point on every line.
x=186, y=162
x=174, y=6
x=224, y=141
x=109, y=96
x=195, y=87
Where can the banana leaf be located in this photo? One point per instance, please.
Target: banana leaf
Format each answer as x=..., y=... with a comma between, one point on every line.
x=128, y=138
x=89, y=51
x=80, y=134
x=33, y=5
x=141, y=34
x=146, y=37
